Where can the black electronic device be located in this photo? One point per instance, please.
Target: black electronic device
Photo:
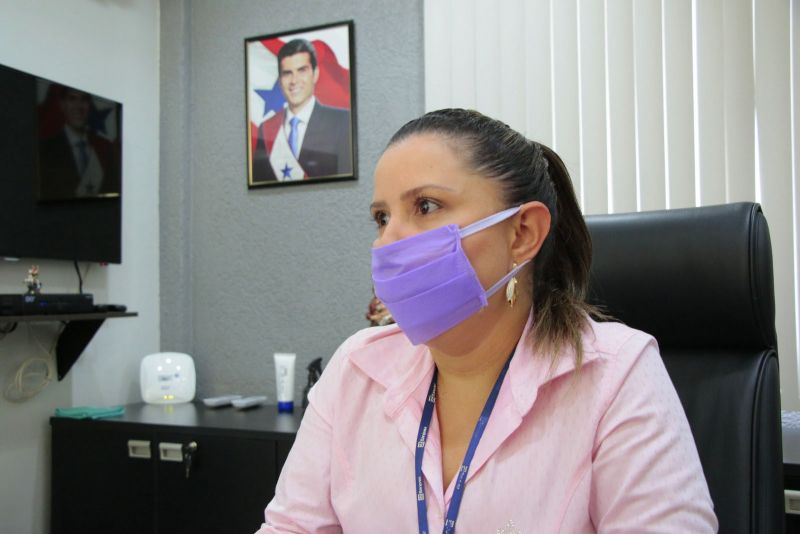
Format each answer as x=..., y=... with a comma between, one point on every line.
x=45, y=304
x=60, y=171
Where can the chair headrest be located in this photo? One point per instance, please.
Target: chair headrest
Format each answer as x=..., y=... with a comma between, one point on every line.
x=693, y=278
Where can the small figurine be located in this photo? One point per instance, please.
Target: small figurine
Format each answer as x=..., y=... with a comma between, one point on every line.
x=32, y=281
x=377, y=314
x=314, y=372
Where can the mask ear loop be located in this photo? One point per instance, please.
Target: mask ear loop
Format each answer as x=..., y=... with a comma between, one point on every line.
x=491, y=220
x=486, y=223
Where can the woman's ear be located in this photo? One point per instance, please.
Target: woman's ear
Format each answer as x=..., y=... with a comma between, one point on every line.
x=531, y=226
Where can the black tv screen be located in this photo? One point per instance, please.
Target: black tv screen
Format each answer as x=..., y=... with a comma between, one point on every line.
x=60, y=171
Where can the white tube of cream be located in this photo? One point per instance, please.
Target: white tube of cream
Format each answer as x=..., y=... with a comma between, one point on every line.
x=284, y=380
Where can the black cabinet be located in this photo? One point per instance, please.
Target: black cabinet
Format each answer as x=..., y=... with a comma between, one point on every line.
x=95, y=484
x=129, y=474
x=791, y=469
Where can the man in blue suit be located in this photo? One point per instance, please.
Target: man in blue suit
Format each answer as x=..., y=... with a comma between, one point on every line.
x=306, y=139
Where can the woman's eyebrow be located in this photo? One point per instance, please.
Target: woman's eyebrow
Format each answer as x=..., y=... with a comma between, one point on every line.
x=377, y=204
x=417, y=190
x=413, y=193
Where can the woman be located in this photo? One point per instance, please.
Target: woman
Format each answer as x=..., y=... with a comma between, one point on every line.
x=495, y=404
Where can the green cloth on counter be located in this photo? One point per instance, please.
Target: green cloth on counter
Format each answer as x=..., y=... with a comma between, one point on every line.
x=90, y=412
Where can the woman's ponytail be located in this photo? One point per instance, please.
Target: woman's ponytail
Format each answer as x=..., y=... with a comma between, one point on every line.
x=561, y=274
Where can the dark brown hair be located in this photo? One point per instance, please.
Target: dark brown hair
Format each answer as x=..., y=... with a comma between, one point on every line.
x=297, y=46
x=528, y=171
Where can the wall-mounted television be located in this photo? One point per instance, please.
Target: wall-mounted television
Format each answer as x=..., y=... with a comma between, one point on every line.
x=60, y=171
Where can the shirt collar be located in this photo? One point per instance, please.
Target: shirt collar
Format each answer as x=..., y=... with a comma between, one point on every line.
x=534, y=369
x=389, y=358
x=305, y=112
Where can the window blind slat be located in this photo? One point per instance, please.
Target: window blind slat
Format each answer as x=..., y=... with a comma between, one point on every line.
x=709, y=101
x=511, y=84
x=487, y=55
x=565, y=96
x=621, y=113
x=649, y=105
x=539, y=111
x=679, y=118
x=593, y=107
x=739, y=110
x=792, y=363
x=437, y=54
x=462, y=56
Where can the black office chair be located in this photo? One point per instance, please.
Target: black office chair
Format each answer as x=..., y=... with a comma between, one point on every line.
x=700, y=281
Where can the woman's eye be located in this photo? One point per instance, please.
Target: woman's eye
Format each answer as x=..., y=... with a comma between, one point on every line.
x=426, y=206
x=380, y=218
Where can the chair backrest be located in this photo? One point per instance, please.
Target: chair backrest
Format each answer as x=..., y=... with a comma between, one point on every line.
x=700, y=281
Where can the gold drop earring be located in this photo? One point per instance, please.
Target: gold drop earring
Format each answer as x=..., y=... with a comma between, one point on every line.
x=511, y=289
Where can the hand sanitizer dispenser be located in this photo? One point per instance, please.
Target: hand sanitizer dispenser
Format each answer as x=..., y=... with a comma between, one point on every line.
x=167, y=378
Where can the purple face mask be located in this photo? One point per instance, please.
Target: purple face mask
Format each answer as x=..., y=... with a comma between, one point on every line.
x=427, y=282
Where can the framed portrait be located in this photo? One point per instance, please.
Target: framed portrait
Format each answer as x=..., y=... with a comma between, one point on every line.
x=301, y=106
x=80, y=143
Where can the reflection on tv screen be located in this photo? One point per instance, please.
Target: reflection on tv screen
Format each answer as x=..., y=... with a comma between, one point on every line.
x=78, y=143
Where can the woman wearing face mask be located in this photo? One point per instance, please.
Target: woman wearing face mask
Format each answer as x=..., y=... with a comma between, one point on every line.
x=495, y=404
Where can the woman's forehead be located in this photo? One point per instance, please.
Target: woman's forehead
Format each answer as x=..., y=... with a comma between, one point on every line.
x=421, y=159
x=428, y=165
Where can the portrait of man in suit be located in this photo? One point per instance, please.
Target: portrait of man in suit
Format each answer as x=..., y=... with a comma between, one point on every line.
x=304, y=139
x=76, y=161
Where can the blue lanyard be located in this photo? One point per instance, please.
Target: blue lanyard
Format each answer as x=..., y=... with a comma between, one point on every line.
x=422, y=437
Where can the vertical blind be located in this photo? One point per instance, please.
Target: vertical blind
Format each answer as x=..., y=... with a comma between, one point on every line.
x=652, y=104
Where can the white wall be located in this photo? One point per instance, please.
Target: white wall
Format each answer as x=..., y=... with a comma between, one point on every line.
x=108, y=47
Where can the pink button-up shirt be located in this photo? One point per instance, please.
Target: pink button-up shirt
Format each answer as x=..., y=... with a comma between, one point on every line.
x=607, y=449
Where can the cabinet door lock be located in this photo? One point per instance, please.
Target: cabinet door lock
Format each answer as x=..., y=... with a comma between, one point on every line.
x=177, y=452
x=188, y=455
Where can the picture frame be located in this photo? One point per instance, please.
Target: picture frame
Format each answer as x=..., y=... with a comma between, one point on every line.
x=300, y=105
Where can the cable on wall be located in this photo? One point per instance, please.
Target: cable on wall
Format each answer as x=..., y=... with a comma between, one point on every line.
x=7, y=328
x=35, y=373
x=83, y=276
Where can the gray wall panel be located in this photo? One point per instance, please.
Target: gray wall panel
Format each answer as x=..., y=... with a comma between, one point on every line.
x=248, y=273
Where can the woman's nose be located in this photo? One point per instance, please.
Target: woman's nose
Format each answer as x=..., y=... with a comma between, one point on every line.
x=395, y=230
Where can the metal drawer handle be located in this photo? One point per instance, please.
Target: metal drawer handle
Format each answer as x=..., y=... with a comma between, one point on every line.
x=791, y=499
x=170, y=452
x=138, y=448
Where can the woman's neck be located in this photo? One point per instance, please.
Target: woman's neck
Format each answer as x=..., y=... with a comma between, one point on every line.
x=473, y=372
x=467, y=373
